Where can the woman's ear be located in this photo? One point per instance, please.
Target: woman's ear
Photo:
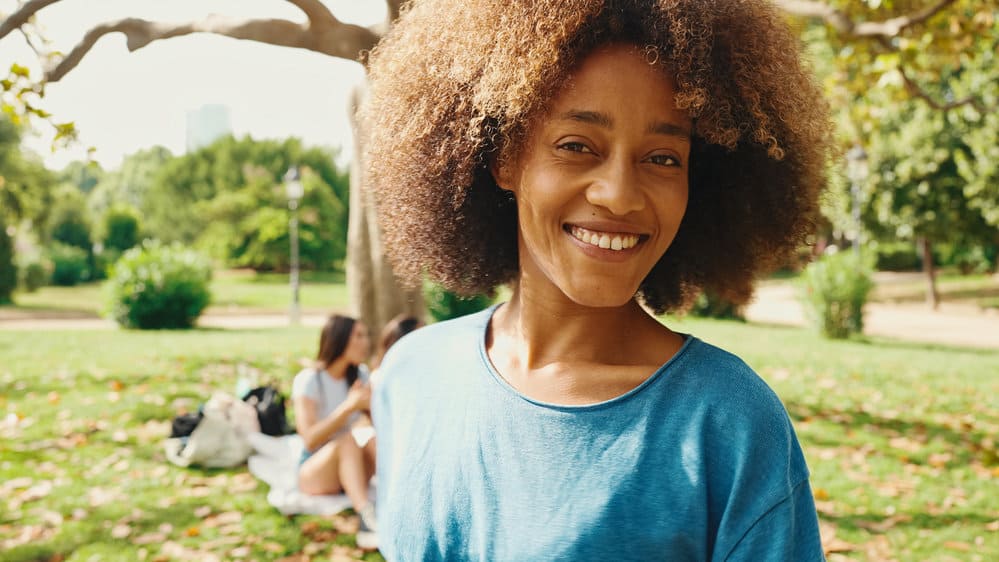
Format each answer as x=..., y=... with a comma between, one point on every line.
x=500, y=168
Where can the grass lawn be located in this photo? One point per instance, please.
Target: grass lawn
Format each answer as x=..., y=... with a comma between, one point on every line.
x=233, y=291
x=900, y=439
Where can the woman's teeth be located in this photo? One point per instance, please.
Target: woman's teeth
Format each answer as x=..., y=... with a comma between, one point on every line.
x=605, y=240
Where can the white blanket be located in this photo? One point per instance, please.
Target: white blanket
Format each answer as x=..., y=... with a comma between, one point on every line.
x=276, y=463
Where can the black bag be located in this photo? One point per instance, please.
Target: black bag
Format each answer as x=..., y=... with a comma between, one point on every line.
x=183, y=425
x=269, y=403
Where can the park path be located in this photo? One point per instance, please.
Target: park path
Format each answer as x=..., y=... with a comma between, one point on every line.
x=775, y=303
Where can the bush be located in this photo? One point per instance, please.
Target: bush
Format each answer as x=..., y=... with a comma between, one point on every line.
x=444, y=305
x=836, y=287
x=34, y=274
x=70, y=264
x=709, y=305
x=155, y=286
x=8, y=272
x=898, y=256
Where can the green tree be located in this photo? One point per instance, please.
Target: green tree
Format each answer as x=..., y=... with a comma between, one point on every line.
x=68, y=223
x=8, y=272
x=120, y=229
x=129, y=184
x=25, y=185
x=229, y=199
x=84, y=175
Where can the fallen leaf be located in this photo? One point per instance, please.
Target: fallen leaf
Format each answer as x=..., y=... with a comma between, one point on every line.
x=53, y=398
x=37, y=492
x=820, y=494
x=116, y=385
x=192, y=531
x=957, y=545
x=993, y=526
x=202, y=512
x=120, y=531
x=149, y=538
x=830, y=543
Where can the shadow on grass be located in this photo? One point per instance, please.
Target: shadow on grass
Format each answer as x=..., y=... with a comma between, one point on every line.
x=889, y=343
x=879, y=523
x=964, y=441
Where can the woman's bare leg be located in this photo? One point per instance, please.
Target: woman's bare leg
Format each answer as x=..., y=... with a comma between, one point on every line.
x=353, y=473
x=319, y=474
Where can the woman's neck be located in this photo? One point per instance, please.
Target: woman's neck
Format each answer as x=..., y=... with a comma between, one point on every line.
x=543, y=330
x=338, y=368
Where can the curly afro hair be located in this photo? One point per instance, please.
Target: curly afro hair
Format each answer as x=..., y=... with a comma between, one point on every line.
x=455, y=83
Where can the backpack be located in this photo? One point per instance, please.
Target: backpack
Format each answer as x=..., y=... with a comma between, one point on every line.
x=269, y=403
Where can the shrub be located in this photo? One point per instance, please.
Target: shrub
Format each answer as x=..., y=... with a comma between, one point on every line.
x=70, y=264
x=155, y=286
x=8, y=271
x=836, y=287
x=709, y=305
x=34, y=274
x=444, y=305
x=898, y=256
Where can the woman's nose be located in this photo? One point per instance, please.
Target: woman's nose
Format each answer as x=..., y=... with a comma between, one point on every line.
x=615, y=187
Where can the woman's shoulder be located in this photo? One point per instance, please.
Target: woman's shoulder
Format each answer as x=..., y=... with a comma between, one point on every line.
x=305, y=382
x=726, y=384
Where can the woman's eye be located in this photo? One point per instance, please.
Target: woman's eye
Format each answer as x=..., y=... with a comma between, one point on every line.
x=663, y=160
x=573, y=146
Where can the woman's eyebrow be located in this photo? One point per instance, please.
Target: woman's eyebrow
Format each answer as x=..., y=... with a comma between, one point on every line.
x=605, y=121
x=591, y=117
x=669, y=129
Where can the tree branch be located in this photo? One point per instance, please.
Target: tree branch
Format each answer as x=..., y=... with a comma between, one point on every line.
x=316, y=11
x=814, y=9
x=915, y=90
x=335, y=39
x=22, y=15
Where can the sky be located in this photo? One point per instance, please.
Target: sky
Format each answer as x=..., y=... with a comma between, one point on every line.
x=123, y=102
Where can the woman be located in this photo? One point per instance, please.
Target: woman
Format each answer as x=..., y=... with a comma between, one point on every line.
x=328, y=399
x=610, y=159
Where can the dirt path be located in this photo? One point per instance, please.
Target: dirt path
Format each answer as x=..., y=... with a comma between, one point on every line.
x=951, y=324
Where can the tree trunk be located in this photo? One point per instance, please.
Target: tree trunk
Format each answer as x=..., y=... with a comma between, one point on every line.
x=373, y=290
x=932, y=296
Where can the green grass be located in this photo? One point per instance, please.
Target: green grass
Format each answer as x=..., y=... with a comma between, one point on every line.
x=233, y=291
x=900, y=439
x=86, y=413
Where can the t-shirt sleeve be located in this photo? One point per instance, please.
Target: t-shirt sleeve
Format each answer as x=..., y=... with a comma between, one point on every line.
x=306, y=384
x=788, y=531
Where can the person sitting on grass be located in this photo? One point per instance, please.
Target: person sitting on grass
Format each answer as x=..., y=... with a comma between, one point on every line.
x=328, y=398
x=610, y=160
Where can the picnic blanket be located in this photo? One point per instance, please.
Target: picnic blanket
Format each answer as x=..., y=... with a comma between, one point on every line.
x=275, y=462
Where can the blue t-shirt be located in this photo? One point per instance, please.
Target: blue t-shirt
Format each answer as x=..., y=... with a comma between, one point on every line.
x=699, y=462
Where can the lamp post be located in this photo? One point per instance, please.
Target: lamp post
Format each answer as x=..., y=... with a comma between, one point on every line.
x=857, y=171
x=294, y=190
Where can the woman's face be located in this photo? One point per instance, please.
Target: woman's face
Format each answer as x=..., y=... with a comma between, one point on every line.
x=601, y=181
x=359, y=344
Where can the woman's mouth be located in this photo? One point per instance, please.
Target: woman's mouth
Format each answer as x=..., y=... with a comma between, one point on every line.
x=605, y=240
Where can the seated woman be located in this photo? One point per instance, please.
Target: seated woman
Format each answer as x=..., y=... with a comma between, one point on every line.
x=327, y=399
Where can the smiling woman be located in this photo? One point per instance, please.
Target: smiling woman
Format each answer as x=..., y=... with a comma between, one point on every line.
x=605, y=158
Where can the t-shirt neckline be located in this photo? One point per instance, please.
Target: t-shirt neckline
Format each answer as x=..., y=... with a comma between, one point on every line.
x=497, y=378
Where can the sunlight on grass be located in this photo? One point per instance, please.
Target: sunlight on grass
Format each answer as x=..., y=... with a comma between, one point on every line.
x=235, y=291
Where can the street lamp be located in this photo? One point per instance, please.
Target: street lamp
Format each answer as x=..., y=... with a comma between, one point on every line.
x=857, y=171
x=293, y=188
